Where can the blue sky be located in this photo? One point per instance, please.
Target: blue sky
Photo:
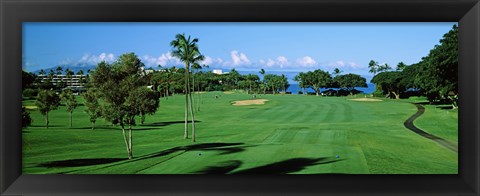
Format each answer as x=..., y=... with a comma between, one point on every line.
x=278, y=47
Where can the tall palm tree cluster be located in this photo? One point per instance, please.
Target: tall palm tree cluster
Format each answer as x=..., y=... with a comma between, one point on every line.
x=186, y=49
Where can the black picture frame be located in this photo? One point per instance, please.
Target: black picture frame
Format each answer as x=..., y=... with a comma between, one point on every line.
x=14, y=12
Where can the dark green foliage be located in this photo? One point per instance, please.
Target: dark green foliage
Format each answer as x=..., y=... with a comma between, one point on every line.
x=29, y=93
x=350, y=81
x=92, y=106
x=143, y=101
x=317, y=79
x=390, y=83
x=47, y=101
x=26, y=119
x=27, y=79
x=68, y=99
x=117, y=87
x=438, y=71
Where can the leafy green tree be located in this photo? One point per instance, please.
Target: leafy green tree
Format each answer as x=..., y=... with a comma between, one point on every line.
x=318, y=79
x=147, y=101
x=93, y=108
x=390, y=83
x=271, y=82
x=118, y=87
x=234, y=78
x=27, y=79
x=26, y=119
x=69, y=101
x=301, y=78
x=42, y=72
x=252, y=81
x=47, y=101
x=186, y=49
x=438, y=71
x=350, y=81
x=283, y=83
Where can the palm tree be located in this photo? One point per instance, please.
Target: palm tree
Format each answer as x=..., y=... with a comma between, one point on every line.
x=186, y=49
x=262, y=71
x=337, y=71
x=80, y=72
x=69, y=74
x=374, y=67
x=42, y=72
x=401, y=66
x=59, y=70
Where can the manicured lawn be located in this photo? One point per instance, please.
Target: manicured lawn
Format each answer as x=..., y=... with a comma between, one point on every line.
x=289, y=134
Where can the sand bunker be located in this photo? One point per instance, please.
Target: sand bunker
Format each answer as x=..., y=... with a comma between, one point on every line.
x=366, y=99
x=30, y=107
x=250, y=102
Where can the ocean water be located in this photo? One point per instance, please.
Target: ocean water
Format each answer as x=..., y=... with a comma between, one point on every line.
x=295, y=88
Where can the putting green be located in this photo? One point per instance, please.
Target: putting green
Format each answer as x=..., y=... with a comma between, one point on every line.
x=288, y=134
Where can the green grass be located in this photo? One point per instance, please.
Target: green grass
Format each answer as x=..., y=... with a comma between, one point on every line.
x=289, y=134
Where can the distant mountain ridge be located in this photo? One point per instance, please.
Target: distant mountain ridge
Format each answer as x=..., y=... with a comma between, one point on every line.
x=74, y=68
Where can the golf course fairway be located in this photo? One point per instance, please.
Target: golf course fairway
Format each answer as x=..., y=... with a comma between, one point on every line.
x=294, y=134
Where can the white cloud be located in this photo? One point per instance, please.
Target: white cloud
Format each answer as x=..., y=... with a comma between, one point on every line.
x=239, y=58
x=340, y=63
x=282, y=61
x=211, y=61
x=207, y=60
x=165, y=59
x=355, y=65
x=94, y=59
x=306, y=61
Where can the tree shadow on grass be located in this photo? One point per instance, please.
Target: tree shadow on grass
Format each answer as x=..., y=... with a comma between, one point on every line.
x=282, y=167
x=80, y=162
x=223, y=148
x=288, y=166
x=222, y=168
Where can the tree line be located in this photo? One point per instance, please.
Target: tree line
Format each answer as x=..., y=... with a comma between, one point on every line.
x=435, y=76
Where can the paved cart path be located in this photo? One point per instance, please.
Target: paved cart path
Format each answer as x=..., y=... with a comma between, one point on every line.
x=409, y=125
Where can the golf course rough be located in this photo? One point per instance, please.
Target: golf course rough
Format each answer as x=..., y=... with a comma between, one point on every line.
x=289, y=134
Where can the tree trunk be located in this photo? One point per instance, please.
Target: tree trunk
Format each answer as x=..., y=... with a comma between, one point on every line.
x=166, y=93
x=397, y=95
x=46, y=119
x=71, y=119
x=130, y=152
x=191, y=108
x=185, y=135
x=93, y=125
x=142, y=118
x=126, y=141
x=192, y=90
